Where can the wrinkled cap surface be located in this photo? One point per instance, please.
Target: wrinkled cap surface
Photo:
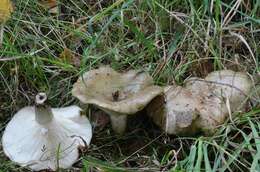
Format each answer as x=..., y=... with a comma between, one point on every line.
x=175, y=111
x=49, y=146
x=116, y=93
x=212, y=109
x=220, y=91
x=6, y=9
x=224, y=84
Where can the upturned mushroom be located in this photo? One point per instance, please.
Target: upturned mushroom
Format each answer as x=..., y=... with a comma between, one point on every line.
x=117, y=94
x=40, y=137
x=6, y=8
x=203, y=103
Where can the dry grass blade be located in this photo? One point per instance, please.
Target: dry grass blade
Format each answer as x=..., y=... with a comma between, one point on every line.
x=247, y=45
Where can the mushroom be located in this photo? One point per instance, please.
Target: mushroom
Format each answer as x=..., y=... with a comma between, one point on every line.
x=6, y=8
x=203, y=103
x=175, y=111
x=41, y=137
x=223, y=93
x=117, y=94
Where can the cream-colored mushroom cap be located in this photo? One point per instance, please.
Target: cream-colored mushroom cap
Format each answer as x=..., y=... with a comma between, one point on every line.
x=202, y=104
x=115, y=93
x=43, y=138
x=223, y=92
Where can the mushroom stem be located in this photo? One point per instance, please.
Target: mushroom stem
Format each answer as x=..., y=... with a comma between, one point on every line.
x=119, y=123
x=1, y=34
x=43, y=113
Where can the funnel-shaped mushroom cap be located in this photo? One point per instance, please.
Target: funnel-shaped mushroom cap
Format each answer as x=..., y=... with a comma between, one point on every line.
x=175, y=111
x=46, y=142
x=117, y=94
x=6, y=9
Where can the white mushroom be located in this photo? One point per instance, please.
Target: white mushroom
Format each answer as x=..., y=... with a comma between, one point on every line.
x=228, y=91
x=41, y=137
x=203, y=103
x=117, y=94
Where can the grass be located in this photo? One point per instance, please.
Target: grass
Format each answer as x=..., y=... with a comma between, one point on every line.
x=170, y=39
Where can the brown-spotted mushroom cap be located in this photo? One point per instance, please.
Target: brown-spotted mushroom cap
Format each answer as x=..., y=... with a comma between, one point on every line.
x=117, y=94
x=175, y=111
x=44, y=138
x=202, y=104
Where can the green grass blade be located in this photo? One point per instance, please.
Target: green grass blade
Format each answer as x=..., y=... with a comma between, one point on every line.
x=191, y=158
x=206, y=158
x=199, y=156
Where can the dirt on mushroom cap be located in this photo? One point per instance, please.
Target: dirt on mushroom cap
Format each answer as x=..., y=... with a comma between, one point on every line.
x=125, y=93
x=205, y=103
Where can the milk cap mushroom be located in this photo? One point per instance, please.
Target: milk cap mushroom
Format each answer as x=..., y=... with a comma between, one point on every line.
x=202, y=104
x=6, y=8
x=117, y=94
x=184, y=112
x=41, y=137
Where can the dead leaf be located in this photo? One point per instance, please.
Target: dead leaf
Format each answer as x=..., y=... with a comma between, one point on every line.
x=50, y=5
x=6, y=8
x=67, y=56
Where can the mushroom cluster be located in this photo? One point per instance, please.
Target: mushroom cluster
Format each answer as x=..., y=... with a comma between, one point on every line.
x=116, y=94
x=202, y=104
x=41, y=137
